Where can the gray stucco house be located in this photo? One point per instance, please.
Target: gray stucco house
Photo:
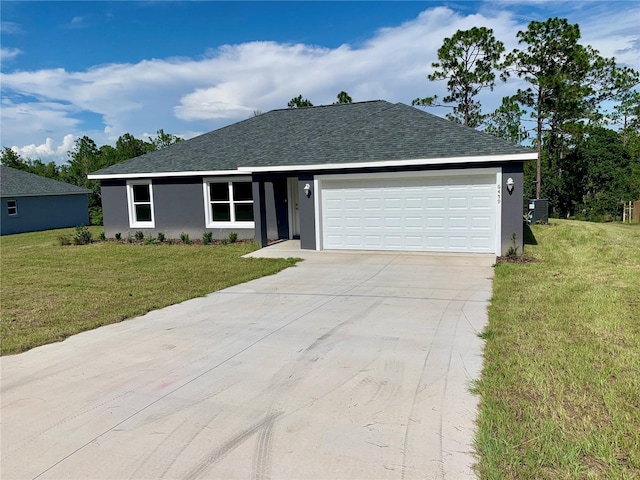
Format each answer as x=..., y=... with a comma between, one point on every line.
x=368, y=175
x=31, y=203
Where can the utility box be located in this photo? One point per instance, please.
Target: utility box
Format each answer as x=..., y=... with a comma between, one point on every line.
x=538, y=211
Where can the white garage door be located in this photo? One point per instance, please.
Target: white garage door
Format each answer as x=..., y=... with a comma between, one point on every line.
x=448, y=214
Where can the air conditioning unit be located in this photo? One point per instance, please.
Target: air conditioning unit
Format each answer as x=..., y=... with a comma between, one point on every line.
x=538, y=211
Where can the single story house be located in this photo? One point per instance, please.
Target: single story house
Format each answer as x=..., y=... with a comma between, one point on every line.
x=31, y=203
x=368, y=176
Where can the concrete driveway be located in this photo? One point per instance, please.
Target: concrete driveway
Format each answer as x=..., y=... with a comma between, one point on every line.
x=347, y=366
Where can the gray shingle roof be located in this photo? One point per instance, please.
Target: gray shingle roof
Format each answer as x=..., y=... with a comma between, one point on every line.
x=352, y=133
x=17, y=183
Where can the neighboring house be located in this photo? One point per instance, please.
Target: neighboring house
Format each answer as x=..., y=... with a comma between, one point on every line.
x=368, y=176
x=31, y=203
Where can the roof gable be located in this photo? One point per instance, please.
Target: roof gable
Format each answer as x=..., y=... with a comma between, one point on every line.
x=349, y=133
x=18, y=183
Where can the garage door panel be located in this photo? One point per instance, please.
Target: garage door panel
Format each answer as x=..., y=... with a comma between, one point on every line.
x=416, y=213
x=435, y=222
x=459, y=223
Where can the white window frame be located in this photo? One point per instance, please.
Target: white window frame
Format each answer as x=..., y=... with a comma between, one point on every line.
x=131, y=205
x=208, y=214
x=15, y=207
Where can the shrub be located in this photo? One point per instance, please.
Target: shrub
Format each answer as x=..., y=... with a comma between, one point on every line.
x=207, y=237
x=224, y=241
x=95, y=216
x=150, y=240
x=139, y=235
x=102, y=237
x=64, y=240
x=512, y=251
x=118, y=236
x=233, y=237
x=129, y=239
x=82, y=235
x=185, y=238
x=161, y=237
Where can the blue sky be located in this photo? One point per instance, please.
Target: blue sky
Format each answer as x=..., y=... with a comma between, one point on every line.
x=106, y=68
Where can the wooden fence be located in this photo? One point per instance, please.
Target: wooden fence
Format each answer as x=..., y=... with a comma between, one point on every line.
x=631, y=212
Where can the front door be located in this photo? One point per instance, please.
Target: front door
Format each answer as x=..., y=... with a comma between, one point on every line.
x=294, y=212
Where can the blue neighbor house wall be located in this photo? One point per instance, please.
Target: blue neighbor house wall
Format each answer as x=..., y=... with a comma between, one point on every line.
x=32, y=203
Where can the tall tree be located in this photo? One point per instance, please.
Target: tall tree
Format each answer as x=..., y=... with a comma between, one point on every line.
x=343, y=97
x=129, y=146
x=468, y=62
x=10, y=158
x=163, y=140
x=299, y=102
x=567, y=81
x=84, y=158
x=506, y=121
x=595, y=177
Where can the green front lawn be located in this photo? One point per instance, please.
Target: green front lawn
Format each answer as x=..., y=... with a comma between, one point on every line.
x=49, y=292
x=560, y=389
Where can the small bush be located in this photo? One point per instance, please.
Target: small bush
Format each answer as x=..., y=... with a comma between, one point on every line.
x=139, y=235
x=118, y=236
x=224, y=241
x=149, y=240
x=207, y=237
x=102, y=237
x=512, y=251
x=64, y=240
x=82, y=235
x=185, y=238
x=95, y=216
x=129, y=239
x=233, y=237
x=161, y=237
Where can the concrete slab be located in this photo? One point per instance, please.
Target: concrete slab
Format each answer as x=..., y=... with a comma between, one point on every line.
x=349, y=365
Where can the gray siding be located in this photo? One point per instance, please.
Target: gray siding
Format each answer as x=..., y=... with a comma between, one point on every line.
x=45, y=213
x=512, y=207
x=307, y=213
x=114, y=207
x=178, y=205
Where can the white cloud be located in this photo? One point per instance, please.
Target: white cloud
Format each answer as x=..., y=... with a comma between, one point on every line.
x=46, y=150
x=7, y=53
x=187, y=96
x=10, y=28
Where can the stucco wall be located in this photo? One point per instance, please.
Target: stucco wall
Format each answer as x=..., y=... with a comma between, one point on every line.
x=307, y=213
x=45, y=213
x=512, y=213
x=178, y=205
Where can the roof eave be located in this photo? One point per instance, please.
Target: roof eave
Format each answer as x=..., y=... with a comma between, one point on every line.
x=21, y=195
x=189, y=173
x=518, y=157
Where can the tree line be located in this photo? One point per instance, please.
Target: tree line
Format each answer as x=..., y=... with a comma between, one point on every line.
x=87, y=157
x=579, y=109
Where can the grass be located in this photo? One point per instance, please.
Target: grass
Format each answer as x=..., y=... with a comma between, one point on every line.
x=560, y=388
x=50, y=292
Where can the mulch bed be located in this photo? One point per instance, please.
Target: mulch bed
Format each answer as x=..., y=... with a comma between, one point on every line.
x=517, y=259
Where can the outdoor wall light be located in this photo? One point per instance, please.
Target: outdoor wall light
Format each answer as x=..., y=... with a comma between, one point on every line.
x=510, y=185
x=307, y=190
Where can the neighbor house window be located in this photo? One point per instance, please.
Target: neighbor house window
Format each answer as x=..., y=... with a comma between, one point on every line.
x=140, y=200
x=12, y=208
x=229, y=203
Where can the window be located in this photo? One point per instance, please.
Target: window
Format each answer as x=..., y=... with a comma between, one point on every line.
x=12, y=208
x=140, y=200
x=228, y=203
